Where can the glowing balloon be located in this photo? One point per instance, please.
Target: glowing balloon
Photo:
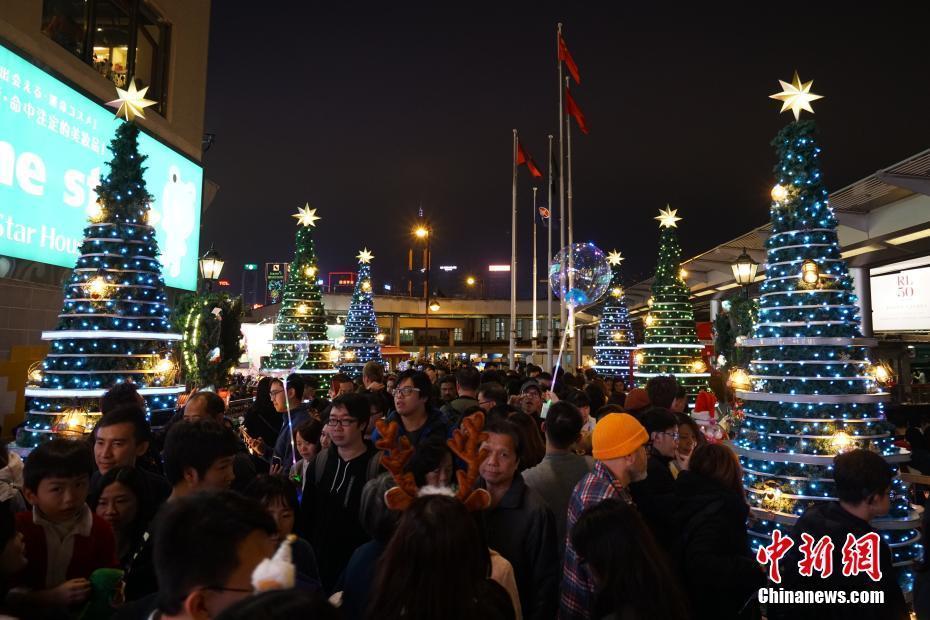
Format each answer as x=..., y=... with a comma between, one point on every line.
x=580, y=274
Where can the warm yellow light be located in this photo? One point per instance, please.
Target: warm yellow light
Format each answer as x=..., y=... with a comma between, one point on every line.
x=303, y=309
x=698, y=366
x=841, y=442
x=591, y=363
x=739, y=379
x=617, y=291
x=95, y=212
x=334, y=355
x=349, y=355
x=882, y=373
x=421, y=232
x=470, y=280
x=434, y=306
x=796, y=96
x=152, y=217
x=96, y=287
x=650, y=301
x=779, y=193
x=640, y=357
x=165, y=365
x=310, y=271
x=810, y=273
x=682, y=273
x=366, y=286
x=380, y=337
x=617, y=336
x=649, y=320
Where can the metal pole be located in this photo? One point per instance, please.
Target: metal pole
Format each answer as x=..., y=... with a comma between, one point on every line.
x=429, y=260
x=568, y=195
x=548, y=262
x=534, y=332
x=561, y=168
x=513, y=256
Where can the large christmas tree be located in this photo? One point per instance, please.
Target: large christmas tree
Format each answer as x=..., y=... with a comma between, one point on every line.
x=615, y=337
x=671, y=346
x=361, y=337
x=814, y=391
x=302, y=316
x=114, y=325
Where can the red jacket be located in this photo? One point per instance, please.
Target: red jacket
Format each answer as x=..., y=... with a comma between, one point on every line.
x=90, y=552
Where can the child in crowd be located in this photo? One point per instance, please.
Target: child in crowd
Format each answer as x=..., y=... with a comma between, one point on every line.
x=65, y=541
x=121, y=499
x=307, y=438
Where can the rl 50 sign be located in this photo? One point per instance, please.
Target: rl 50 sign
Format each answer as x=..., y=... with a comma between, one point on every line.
x=53, y=151
x=901, y=301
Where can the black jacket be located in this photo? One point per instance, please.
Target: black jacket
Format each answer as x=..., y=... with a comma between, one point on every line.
x=718, y=570
x=522, y=529
x=830, y=519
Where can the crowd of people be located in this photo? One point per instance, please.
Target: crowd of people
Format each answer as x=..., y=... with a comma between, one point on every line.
x=598, y=502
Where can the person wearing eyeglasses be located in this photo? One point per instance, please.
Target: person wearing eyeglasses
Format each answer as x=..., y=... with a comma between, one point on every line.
x=331, y=501
x=662, y=427
x=412, y=410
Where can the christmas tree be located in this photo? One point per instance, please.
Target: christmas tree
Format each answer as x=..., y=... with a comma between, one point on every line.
x=671, y=346
x=614, y=333
x=302, y=316
x=361, y=336
x=814, y=390
x=114, y=325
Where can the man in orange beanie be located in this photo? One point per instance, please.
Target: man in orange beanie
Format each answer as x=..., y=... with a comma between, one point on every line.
x=618, y=446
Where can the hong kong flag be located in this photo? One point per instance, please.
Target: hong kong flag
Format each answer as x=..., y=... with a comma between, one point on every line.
x=572, y=108
x=524, y=158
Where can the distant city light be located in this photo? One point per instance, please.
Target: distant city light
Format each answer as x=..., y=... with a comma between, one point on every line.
x=498, y=267
x=387, y=287
x=448, y=267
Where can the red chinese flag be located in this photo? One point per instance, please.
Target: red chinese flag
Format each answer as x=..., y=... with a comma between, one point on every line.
x=566, y=57
x=523, y=158
x=572, y=108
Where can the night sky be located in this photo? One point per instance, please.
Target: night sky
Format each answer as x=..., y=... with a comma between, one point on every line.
x=369, y=113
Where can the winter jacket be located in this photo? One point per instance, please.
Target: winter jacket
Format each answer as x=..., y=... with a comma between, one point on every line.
x=436, y=424
x=522, y=529
x=831, y=519
x=718, y=570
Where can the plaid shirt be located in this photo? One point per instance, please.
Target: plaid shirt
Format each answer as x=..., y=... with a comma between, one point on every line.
x=577, y=590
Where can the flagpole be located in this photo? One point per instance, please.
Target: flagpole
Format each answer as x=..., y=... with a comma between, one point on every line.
x=513, y=258
x=568, y=195
x=548, y=263
x=534, y=331
x=561, y=171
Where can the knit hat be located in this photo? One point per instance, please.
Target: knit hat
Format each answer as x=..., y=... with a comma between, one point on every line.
x=636, y=399
x=616, y=435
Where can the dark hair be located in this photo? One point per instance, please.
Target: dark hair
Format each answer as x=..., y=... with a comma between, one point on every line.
x=447, y=379
x=263, y=402
x=58, y=458
x=196, y=542
x=563, y=424
x=507, y=427
x=719, y=463
x=127, y=414
x=437, y=543
x=309, y=430
x=373, y=371
x=214, y=405
x=596, y=394
x=356, y=405
x=634, y=577
x=662, y=390
x=685, y=420
x=281, y=605
x=294, y=382
x=135, y=481
x=198, y=444
x=468, y=378
x=609, y=408
x=427, y=457
x=420, y=381
x=534, y=448
x=124, y=393
x=579, y=398
x=493, y=391
x=266, y=489
x=428, y=367
x=658, y=419
x=381, y=400
x=860, y=474
x=340, y=377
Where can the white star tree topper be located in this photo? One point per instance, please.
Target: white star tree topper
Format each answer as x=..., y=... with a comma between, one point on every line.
x=615, y=258
x=365, y=256
x=307, y=216
x=130, y=102
x=796, y=96
x=668, y=217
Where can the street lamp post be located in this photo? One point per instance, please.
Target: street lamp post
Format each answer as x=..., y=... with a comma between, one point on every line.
x=211, y=264
x=744, y=270
x=426, y=232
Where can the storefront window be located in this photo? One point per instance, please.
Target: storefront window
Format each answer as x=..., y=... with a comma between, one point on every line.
x=457, y=334
x=406, y=336
x=118, y=38
x=499, y=329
